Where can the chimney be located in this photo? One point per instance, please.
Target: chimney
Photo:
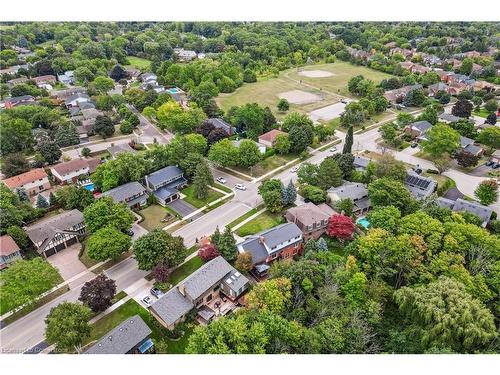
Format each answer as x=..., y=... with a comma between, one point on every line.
x=182, y=290
x=262, y=239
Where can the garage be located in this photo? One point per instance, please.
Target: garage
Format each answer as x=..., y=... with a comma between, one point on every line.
x=71, y=241
x=50, y=252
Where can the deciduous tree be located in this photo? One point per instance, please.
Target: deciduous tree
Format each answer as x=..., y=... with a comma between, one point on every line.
x=107, y=243
x=159, y=247
x=98, y=293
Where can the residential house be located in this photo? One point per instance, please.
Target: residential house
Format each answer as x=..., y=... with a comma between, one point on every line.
x=165, y=184
x=132, y=336
x=17, y=81
x=33, y=181
x=420, y=69
x=461, y=205
x=18, y=101
x=406, y=53
x=262, y=148
x=281, y=242
x=75, y=99
x=355, y=191
x=206, y=289
x=9, y=251
x=443, y=74
x=69, y=172
x=455, y=88
x=310, y=218
x=14, y=69
x=185, y=55
x=64, y=94
x=398, y=95
x=56, y=233
x=467, y=145
x=407, y=65
x=268, y=139
x=133, y=73
x=90, y=113
x=431, y=60
x=133, y=194
x=418, y=129
x=360, y=163
x=115, y=150
x=495, y=157
x=45, y=81
x=221, y=124
x=359, y=54
x=435, y=88
x=448, y=118
x=421, y=187
x=68, y=78
x=483, y=85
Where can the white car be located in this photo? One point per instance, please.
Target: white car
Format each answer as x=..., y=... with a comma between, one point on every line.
x=221, y=180
x=294, y=169
x=147, y=301
x=240, y=187
x=333, y=149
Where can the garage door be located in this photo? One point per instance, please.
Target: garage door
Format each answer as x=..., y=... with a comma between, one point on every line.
x=50, y=252
x=60, y=247
x=71, y=241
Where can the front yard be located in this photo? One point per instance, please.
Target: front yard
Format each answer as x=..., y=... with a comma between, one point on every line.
x=192, y=199
x=265, y=220
x=267, y=165
x=156, y=217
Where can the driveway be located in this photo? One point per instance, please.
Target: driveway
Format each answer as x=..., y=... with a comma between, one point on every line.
x=67, y=262
x=182, y=207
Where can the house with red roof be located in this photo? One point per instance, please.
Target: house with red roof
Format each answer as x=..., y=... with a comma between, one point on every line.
x=33, y=181
x=268, y=139
x=9, y=251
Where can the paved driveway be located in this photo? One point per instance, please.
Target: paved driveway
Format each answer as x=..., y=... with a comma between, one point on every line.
x=67, y=262
x=182, y=207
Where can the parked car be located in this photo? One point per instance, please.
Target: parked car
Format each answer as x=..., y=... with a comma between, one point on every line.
x=490, y=163
x=414, y=144
x=344, y=101
x=221, y=180
x=418, y=170
x=147, y=301
x=240, y=187
x=497, y=165
x=294, y=169
x=333, y=149
x=130, y=232
x=156, y=292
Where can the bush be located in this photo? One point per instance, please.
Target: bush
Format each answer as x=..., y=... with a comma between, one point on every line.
x=126, y=127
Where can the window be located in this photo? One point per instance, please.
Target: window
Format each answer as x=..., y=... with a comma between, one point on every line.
x=209, y=297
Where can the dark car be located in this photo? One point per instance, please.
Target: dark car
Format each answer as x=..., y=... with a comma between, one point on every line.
x=130, y=232
x=490, y=163
x=414, y=144
x=156, y=292
x=497, y=165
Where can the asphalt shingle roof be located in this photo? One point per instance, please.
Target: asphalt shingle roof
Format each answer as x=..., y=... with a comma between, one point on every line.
x=164, y=174
x=125, y=191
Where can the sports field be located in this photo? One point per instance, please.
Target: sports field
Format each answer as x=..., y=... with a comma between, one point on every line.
x=322, y=81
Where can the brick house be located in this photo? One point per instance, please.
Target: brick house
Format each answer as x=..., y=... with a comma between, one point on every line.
x=33, y=181
x=311, y=219
x=69, y=172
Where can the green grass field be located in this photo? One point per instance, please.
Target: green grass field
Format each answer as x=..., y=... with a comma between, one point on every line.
x=266, y=165
x=153, y=217
x=265, y=220
x=191, y=198
x=139, y=62
x=266, y=90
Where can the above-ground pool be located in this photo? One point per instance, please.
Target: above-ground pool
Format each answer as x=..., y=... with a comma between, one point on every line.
x=363, y=221
x=174, y=90
x=89, y=187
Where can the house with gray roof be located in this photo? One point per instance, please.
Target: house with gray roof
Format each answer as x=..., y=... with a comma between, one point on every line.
x=133, y=194
x=165, y=184
x=360, y=163
x=473, y=207
x=132, y=336
x=355, y=191
x=76, y=99
x=435, y=88
x=421, y=187
x=221, y=124
x=469, y=147
x=211, y=281
x=281, y=242
x=115, y=150
x=418, y=129
x=448, y=118
x=56, y=233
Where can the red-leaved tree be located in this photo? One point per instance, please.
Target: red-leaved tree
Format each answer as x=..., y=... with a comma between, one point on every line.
x=208, y=252
x=340, y=226
x=161, y=273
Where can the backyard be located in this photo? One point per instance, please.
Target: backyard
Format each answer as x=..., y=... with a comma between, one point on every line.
x=191, y=198
x=139, y=63
x=265, y=220
x=156, y=217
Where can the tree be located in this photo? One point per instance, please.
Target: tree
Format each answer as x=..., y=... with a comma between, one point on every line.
x=224, y=153
x=161, y=273
x=202, y=180
x=24, y=280
x=466, y=66
x=355, y=289
x=103, y=84
x=67, y=326
x=346, y=164
x=487, y=192
x=173, y=117
x=159, y=247
x=447, y=316
x=322, y=245
x=107, y=243
x=441, y=139
x=208, y=252
x=14, y=164
x=248, y=153
x=312, y=193
x=282, y=144
x=98, y=293
x=272, y=295
x=389, y=167
x=349, y=139
x=105, y=212
x=118, y=73
x=270, y=191
x=244, y=261
x=490, y=137
x=345, y=206
x=66, y=135
x=283, y=105
x=41, y=201
x=491, y=119
x=387, y=217
x=104, y=126
x=226, y=244
x=74, y=197
x=462, y=108
x=49, y=151
x=491, y=105
x=288, y=194
x=387, y=192
x=340, y=226
x=15, y=135
x=329, y=174
x=466, y=128
x=466, y=159
x=389, y=133
x=85, y=152
x=19, y=236
x=414, y=98
x=308, y=174
x=216, y=135
x=429, y=114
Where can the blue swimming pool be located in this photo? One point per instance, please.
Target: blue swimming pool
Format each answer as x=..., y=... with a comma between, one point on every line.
x=89, y=187
x=363, y=221
x=174, y=90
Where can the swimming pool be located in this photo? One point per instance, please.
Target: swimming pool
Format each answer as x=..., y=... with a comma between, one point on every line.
x=363, y=221
x=89, y=187
x=174, y=90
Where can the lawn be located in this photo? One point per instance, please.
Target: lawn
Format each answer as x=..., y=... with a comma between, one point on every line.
x=267, y=165
x=185, y=270
x=265, y=220
x=245, y=216
x=139, y=62
x=266, y=90
x=129, y=309
x=191, y=198
x=481, y=113
x=154, y=217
